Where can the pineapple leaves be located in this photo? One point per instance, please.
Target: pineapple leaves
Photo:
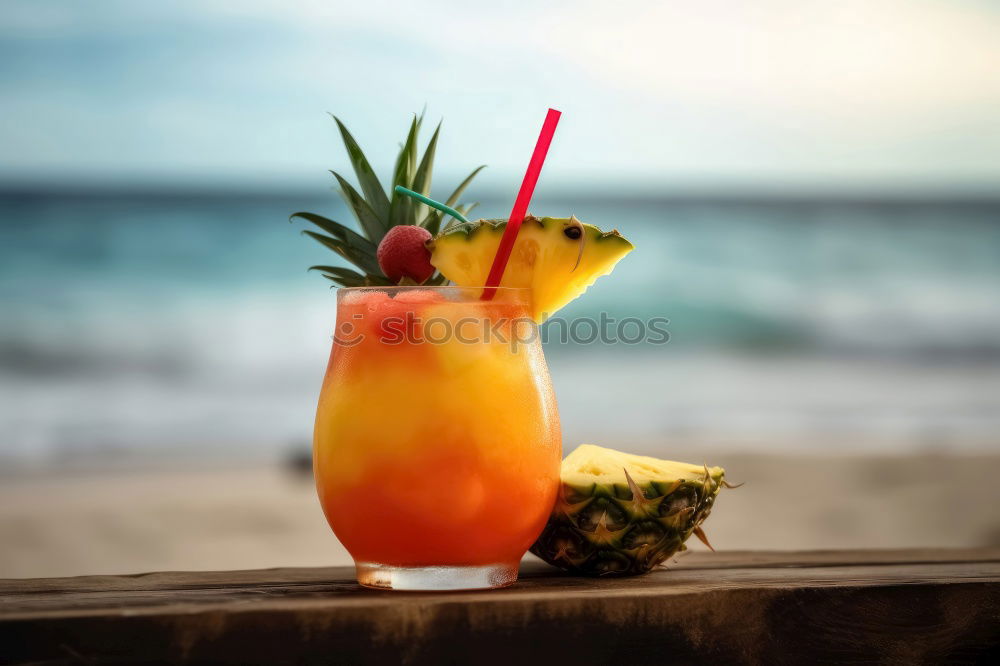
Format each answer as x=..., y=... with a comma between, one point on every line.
x=464, y=209
x=370, y=185
x=406, y=164
x=337, y=230
x=348, y=278
x=366, y=216
x=378, y=210
x=422, y=177
x=464, y=184
x=342, y=276
x=432, y=222
x=366, y=262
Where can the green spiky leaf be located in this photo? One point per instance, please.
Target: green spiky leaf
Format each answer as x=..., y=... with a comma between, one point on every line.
x=342, y=276
x=465, y=210
x=453, y=199
x=422, y=176
x=337, y=230
x=400, y=206
x=363, y=261
x=348, y=278
x=376, y=212
x=370, y=223
x=370, y=185
x=424, y=173
x=434, y=218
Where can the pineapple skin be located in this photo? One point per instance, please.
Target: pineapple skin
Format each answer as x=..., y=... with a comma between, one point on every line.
x=604, y=530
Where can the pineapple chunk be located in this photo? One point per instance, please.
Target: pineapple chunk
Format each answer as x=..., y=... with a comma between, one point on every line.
x=589, y=465
x=557, y=258
x=620, y=514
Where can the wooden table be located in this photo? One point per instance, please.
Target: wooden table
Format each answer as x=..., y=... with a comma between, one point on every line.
x=929, y=606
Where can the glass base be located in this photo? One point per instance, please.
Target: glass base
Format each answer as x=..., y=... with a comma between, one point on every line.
x=388, y=577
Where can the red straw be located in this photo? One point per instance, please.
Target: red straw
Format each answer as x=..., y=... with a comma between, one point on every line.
x=521, y=204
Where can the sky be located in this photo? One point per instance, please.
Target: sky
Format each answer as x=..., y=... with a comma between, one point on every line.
x=774, y=94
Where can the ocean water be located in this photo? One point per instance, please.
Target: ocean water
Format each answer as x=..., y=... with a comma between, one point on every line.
x=138, y=325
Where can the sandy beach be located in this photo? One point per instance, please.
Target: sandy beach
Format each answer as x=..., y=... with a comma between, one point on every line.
x=205, y=518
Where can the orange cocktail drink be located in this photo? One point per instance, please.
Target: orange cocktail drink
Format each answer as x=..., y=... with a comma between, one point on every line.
x=437, y=441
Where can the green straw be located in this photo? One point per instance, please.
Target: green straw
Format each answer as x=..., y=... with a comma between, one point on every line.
x=430, y=202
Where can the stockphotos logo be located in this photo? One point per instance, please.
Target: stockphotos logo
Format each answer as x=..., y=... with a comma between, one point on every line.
x=411, y=329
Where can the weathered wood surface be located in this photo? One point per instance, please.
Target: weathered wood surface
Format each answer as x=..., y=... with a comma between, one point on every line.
x=932, y=606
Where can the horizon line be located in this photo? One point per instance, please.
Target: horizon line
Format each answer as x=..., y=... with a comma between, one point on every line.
x=723, y=193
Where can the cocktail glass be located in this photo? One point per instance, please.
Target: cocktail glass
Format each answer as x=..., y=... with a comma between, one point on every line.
x=437, y=442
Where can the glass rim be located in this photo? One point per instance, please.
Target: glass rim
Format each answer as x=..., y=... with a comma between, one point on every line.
x=439, y=287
